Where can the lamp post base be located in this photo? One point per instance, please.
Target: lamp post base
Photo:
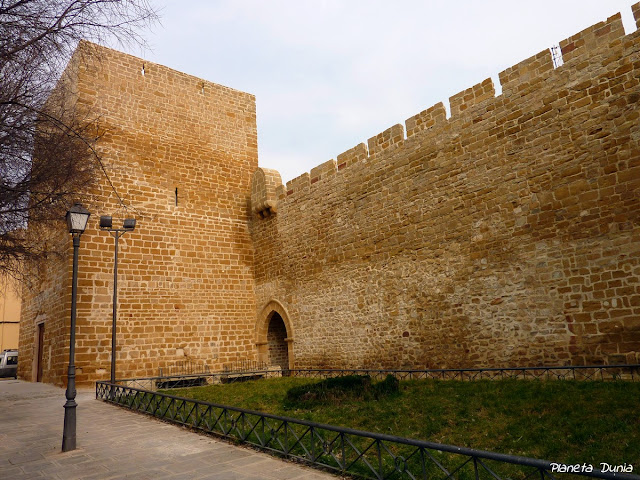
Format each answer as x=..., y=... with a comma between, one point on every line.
x=69, y=435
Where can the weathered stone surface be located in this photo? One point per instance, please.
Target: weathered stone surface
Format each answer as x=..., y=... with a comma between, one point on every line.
x=264, y=191
x=506, y=235
x=180, y=152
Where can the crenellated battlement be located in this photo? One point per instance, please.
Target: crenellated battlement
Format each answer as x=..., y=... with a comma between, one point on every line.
x=506, y=234
x=426, y=119
x=476, y=95
x=322, y=172
x=521, y=79
x=582, y=44
x=351, y=156
x=391, y=137
x=526, y=75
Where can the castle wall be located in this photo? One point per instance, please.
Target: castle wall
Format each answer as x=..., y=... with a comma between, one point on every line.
x=180, y=152
x=506, y=235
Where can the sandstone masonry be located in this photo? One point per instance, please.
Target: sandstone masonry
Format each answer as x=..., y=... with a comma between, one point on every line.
x=505, y=235
x=180, y=152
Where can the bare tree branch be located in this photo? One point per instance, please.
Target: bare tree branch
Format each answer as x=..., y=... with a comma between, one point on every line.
x=47, y=144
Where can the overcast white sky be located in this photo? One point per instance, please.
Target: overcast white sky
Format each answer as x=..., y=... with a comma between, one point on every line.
x=329, y=74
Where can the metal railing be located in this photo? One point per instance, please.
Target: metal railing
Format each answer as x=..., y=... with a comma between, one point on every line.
x=353, y=452
x=198, y=379
x=571, y=372
x=581, y=373
x=183, y=367
x=244, y=366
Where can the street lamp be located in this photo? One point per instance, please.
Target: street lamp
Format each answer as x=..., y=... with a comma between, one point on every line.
x=77, y=218
x=129, y=224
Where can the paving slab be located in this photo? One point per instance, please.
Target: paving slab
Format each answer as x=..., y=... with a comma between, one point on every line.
x=113, y=443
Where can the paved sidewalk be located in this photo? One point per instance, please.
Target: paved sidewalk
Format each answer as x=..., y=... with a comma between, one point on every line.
x=113, y=443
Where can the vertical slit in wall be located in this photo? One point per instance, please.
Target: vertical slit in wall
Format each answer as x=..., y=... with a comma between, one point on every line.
x=497, y=86
x=447, y=107
x=628, y=22
x=176, y=196
x=142, y=71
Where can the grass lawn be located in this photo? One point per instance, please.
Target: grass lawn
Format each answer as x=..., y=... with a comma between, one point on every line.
x=562, y=421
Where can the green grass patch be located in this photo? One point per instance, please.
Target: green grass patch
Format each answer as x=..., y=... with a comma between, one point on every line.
x=333, y=391
x=561, y=421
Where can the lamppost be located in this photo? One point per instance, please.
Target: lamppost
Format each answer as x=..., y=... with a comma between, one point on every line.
x=77, y=218
x=129, y=224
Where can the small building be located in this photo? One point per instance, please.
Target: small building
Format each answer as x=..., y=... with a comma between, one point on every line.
x=9, y=315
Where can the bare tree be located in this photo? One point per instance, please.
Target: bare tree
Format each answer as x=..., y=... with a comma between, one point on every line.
x=37, y=38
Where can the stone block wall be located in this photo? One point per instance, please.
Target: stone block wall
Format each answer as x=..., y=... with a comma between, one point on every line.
x=277, y=347
x=179, y=151
x=46, y=305
x=506, y=235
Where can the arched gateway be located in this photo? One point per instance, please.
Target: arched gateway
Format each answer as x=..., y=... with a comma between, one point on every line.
x=274, y=336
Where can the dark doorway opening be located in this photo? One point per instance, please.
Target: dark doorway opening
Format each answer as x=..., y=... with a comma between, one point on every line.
x=39, y=360
x=276, y=340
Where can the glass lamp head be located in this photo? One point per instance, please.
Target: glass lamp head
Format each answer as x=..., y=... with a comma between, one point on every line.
x=77, y=219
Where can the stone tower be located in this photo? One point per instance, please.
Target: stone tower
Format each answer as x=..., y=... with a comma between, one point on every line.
x=179, y=151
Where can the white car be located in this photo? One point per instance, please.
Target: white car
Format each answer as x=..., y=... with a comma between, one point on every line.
x=9, y=363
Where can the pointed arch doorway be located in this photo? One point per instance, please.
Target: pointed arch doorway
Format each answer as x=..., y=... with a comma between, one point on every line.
x=274, y=337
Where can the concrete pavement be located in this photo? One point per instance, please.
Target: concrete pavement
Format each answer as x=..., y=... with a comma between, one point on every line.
x=113, y=443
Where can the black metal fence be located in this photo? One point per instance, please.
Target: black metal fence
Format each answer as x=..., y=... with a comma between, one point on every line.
x=184, y=367
x=198, y=379
x=589, y=373
x=571, y=372
x=344, y=450
x=244, y=366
